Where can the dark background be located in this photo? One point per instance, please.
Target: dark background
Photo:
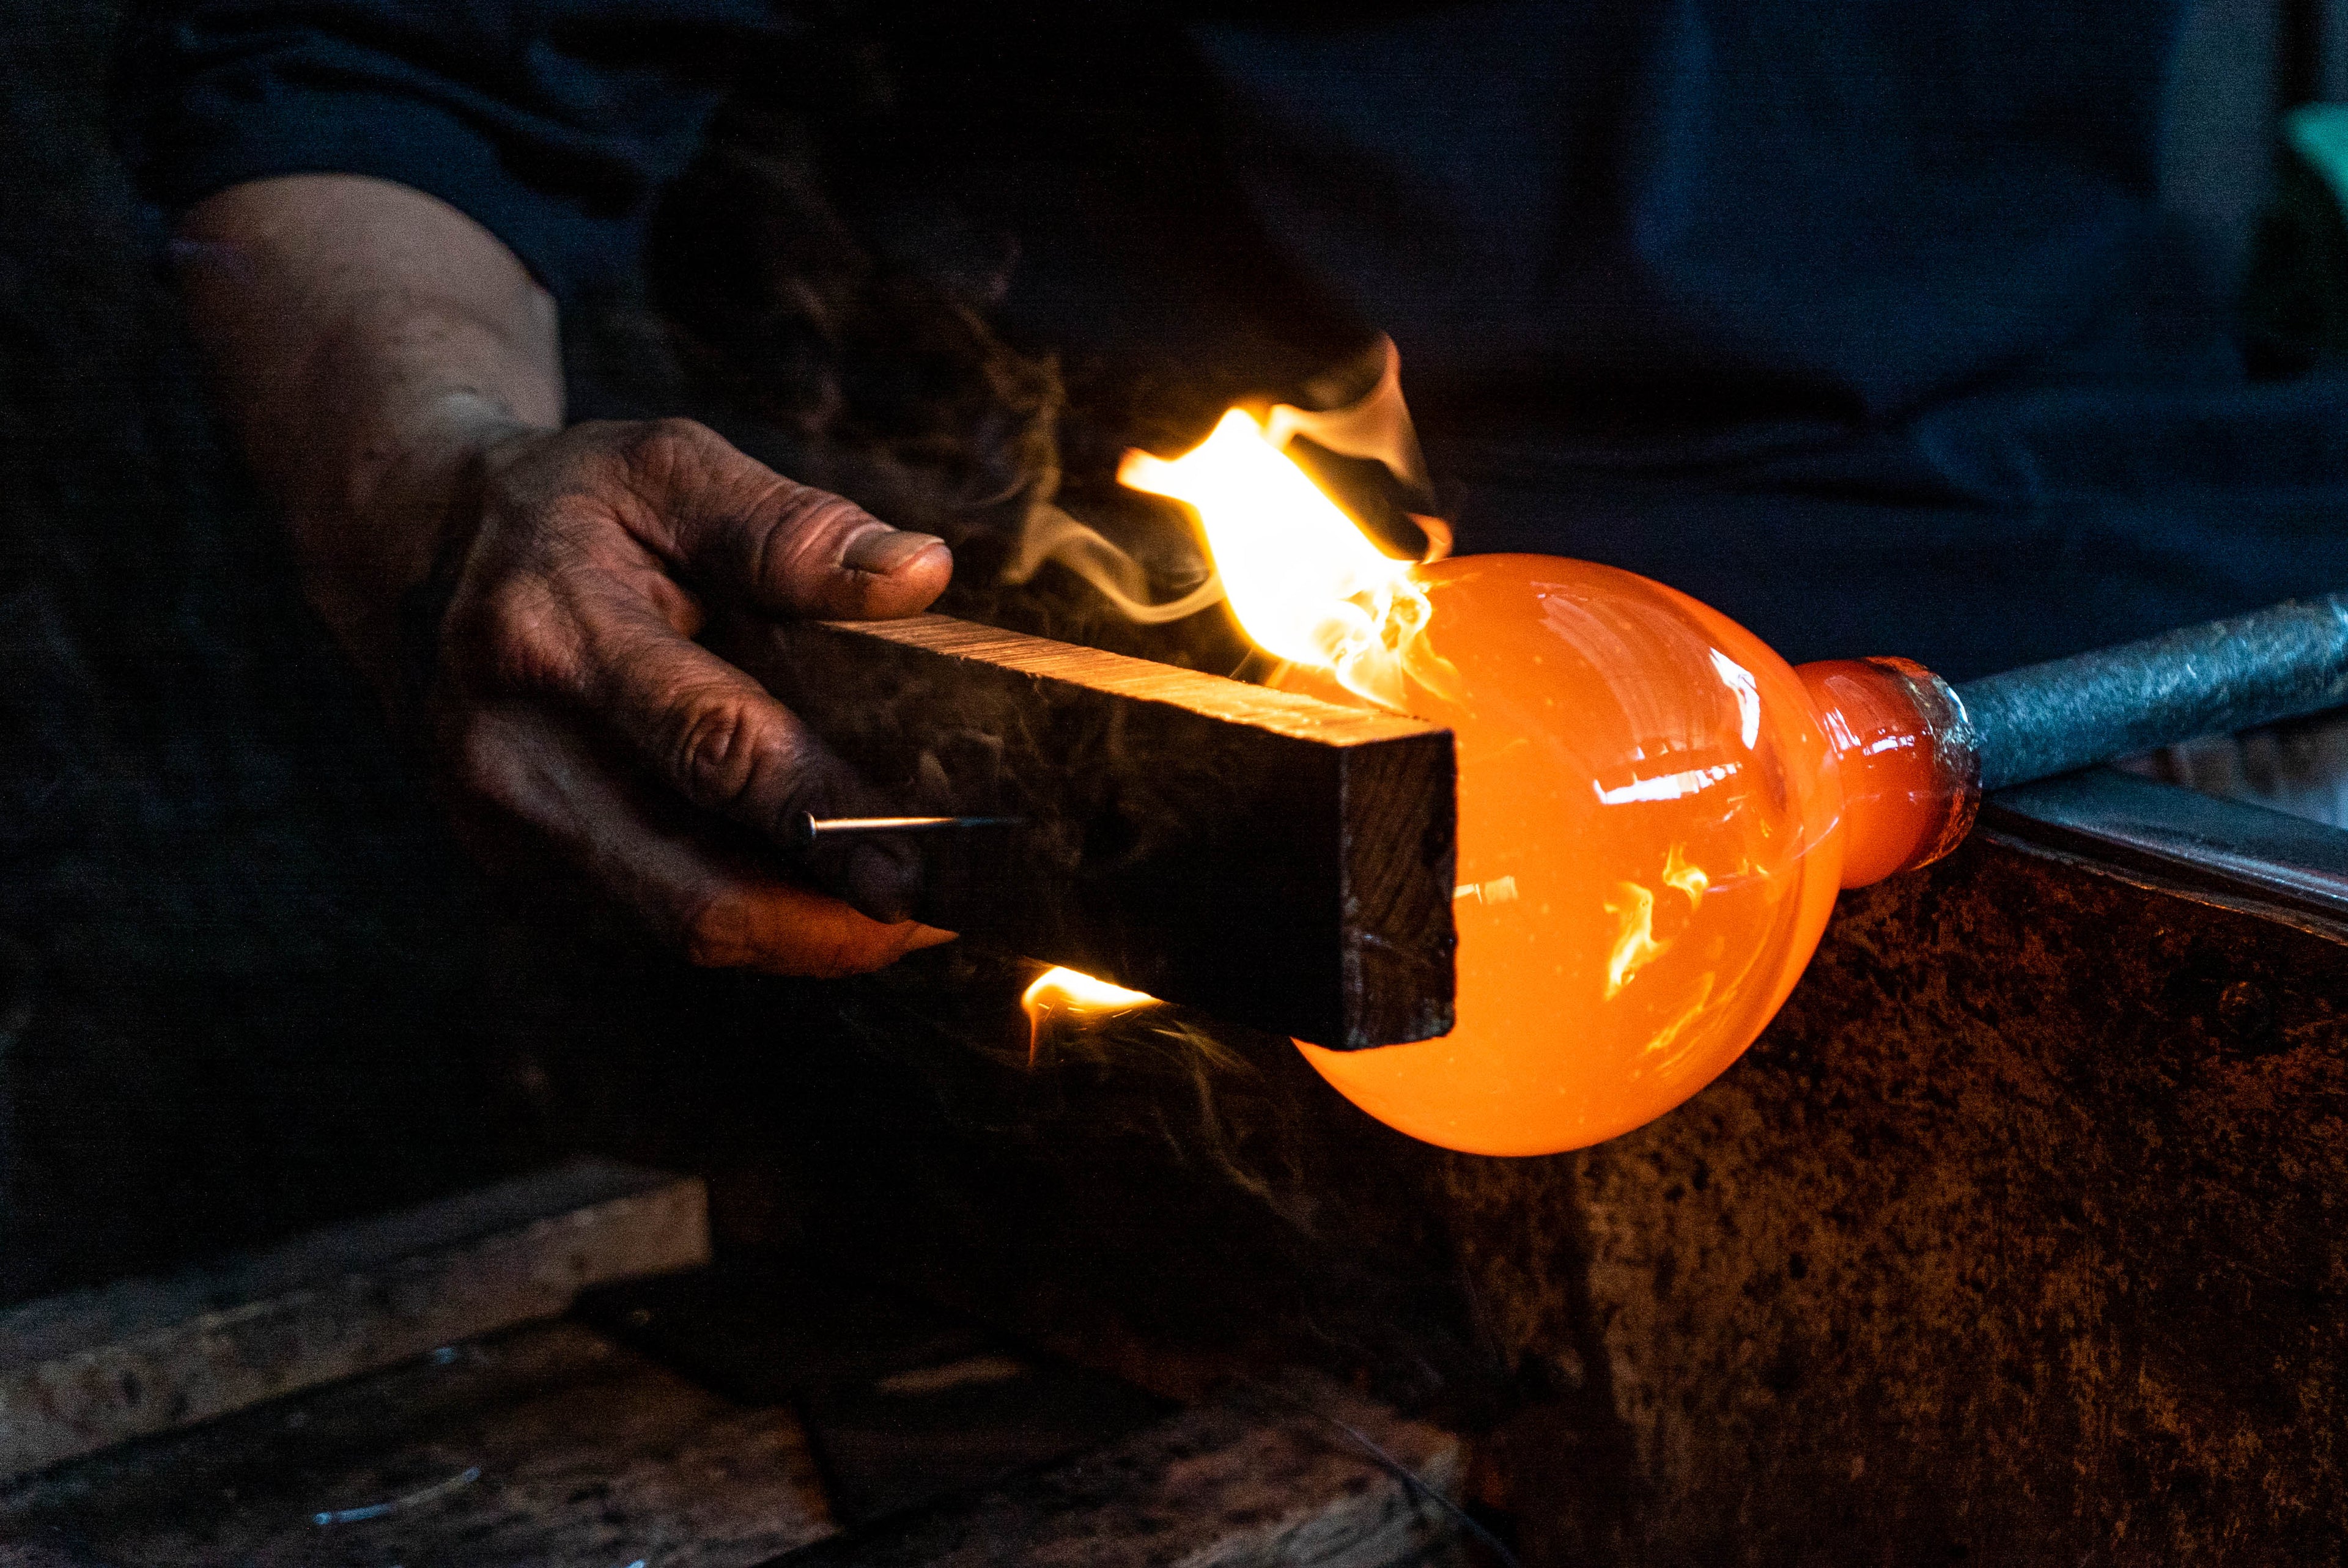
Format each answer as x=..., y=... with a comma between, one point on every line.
x=253, y=999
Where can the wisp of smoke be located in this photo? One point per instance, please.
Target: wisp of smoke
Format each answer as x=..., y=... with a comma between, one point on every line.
x=1051, y=535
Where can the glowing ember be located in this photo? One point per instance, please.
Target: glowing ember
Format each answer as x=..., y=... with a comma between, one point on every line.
x=1655, y=810
x=1058, y=992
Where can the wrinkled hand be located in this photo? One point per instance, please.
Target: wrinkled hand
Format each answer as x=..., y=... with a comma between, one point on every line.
x=570, y=700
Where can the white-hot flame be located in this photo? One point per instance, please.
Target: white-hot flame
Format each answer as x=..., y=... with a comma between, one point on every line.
x=1306, y=583
x=1071, y=990
x=1075, y=993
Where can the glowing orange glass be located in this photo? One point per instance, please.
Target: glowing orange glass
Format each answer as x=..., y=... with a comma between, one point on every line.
x=1652, y=829
x=1655, y=814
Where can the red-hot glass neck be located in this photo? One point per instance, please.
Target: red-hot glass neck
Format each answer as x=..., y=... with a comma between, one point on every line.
x=1911, y=774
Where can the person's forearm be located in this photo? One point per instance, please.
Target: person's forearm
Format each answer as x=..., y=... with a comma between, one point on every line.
x=368, y=341
x=394, y=373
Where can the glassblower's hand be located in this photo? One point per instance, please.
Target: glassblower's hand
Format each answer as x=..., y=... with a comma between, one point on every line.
x=567, y=696
x=395, y=374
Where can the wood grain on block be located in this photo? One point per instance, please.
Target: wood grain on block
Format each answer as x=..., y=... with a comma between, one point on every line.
x=1248, y=1480
x=85, y=1369
x=1274, y=859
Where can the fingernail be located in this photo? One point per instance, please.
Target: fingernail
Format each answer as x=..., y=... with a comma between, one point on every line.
x=879, y=884
x=883, y=550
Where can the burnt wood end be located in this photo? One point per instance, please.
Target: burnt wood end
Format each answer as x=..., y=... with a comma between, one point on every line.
x=1271, y=858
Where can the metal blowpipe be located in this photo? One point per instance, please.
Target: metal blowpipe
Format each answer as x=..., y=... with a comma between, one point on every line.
x=2274, y=663
x=811, y=830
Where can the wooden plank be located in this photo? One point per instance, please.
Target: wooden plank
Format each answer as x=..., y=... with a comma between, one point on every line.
x=1273, y=859
x=87, y=1368
x=581, y=1454
x=1248, y=1479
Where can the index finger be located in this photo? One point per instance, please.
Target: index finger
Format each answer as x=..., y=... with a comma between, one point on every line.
x=734, y=524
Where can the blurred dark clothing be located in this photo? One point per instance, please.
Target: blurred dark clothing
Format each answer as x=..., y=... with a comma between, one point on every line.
x=244, y=984
x=1864, y=323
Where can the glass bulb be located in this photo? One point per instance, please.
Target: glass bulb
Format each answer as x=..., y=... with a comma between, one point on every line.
x=1653, y=830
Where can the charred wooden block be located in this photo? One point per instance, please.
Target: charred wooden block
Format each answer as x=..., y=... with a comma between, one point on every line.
x=1272, y=859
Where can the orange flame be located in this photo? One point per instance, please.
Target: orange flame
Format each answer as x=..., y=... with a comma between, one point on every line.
x=1306, y=584
x=1069, y=991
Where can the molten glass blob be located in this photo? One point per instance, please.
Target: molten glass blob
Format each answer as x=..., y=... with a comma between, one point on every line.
x=1655, y=810
x=1655, y=814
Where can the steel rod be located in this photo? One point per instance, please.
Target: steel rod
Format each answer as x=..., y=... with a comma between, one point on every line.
x=2279, y=663
x=812, y=829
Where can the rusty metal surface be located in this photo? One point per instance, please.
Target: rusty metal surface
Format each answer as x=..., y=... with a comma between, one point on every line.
x=2017, y=1240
